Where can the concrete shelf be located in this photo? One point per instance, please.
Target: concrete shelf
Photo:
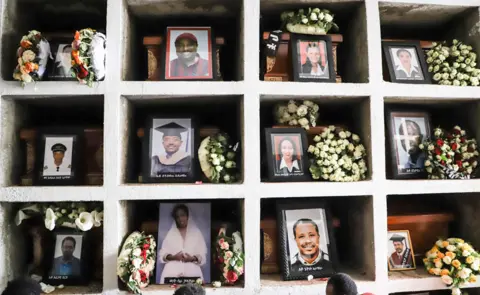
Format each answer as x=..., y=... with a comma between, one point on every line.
x=116, y=103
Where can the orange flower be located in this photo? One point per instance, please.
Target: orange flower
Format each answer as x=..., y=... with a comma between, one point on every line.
x=472, y=279
x=456, y=263
x=437, y=260
x=444, y=272
x=77, y=35
x=445, y=244
x=450, y=254
x=29, y=67
x=431, y=271
x=440, y=255
x=425, y=260
x=36, y=67
x=25, y=43
x=76, y=57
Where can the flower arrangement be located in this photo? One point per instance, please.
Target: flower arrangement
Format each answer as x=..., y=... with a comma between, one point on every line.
x=136, y=261
x=82, y=216
x=32, y=57
x=230, y=257
x=455, y=261
x=314, y=21
x=337, y=155
x=217, y=158
x=88, y=56
x=453, y=64
x=296, y=113
x=450, y=155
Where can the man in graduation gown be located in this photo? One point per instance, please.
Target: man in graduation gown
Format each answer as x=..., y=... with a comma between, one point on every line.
x=402, y=257
x=307, y=238
x=174, y=160
x=58, y=166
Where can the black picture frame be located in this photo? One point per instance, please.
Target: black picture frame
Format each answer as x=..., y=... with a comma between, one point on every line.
x=285, y=226
x=44, y=175
x=419, y=54
x=397, y=172
x=166, y=54
x=274, y=172
x=53, y=275
x=297, y=67
x=54, y=73
x=180, y=177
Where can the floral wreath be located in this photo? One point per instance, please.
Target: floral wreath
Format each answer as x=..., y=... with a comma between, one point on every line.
x=88, y=56
x=136, y=261
x=217, y=158
x=230, y=258
x=32, y=58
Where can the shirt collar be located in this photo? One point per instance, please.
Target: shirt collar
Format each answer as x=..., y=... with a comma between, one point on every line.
x=401, y=68
x=283, y=164
x=319, y=72
x=317, y=260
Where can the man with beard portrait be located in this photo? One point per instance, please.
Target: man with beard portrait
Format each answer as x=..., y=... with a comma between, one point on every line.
x=188, y=62
x=174, y=160
x=307, y=238
x=402, y=257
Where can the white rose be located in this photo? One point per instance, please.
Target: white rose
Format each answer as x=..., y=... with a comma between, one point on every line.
x=476, y=264
x=292, y=108
x=304, y=20
x=436, y=271
x=438, y=264
x=331, y=136
x=302, y=110
x=355, y=137
x=308, y=103
x=325, y=148
x=137, y=262
x=465, y=253
x=216, y=162
x=447, y=280
x=137, y=252
x=313, y=16
x=321, y=16
x=27, y=78
x=451, y=248
x=447, y=260
x=357, y=154
x=427, y=163
x=216, y=284
x=439, y=244
x=28, y=55
x=328, y=18
x=219, y=168
x=351, y=147
x=464, y=273
x=342, y=134
x=338, y=150
x=456, y=291
x=311, y=149
x=303, y=122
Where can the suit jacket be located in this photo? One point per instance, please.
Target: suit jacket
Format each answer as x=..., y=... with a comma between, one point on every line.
x=71, y=268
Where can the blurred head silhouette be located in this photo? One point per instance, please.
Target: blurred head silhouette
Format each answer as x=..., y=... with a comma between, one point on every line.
x=341, y=284
x=22, y=286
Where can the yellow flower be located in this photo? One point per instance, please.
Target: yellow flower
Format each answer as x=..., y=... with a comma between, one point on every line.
x=450, y=254
x=470, y=259
x=456, y=263
x=431, y=271
x=444, y=272
x=445, y=244
x=472, y=279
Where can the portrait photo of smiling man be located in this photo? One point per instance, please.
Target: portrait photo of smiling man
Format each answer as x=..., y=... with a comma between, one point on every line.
x=308, y=243
x=189, y=53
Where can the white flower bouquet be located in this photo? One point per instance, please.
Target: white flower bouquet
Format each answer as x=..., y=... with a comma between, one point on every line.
x=217, y=158
x=455, y=261
x=296, y=113
x=337, y=155
x=314, y=21
x=88, y=56
x=136, y=261
x=453, y=64
x=82, y=216
x=450, y=155
x=32, y=58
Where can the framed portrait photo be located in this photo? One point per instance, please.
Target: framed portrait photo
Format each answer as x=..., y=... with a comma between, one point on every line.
x=407, y=130
x=59, y=67
x=70, y=258
x=306, y=241
x=182, y=260
x=169, y=149
x=312, y=58
x=400, y=251
x=406, y=62
x=58, y=156
x=189, y=53
x=287, y=154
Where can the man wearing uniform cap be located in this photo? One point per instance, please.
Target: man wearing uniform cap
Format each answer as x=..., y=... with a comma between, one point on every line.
x=57, y=166
x=174, y=160
x=402, y=257
x=189, y=63
x=307, y=238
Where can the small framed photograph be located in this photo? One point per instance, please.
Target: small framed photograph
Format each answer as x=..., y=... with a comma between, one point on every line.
x=407, y=130
x=406, y=62
x=312, y=58
x=189, y=53
x=58, y=156
x=184, y=243
x=400, y=251
x=69, y=261
x=306, y=240
x=59, y=67
x=287, y=154
x=169, y=149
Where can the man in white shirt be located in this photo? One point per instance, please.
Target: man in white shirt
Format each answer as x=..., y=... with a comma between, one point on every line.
x=57, y=166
